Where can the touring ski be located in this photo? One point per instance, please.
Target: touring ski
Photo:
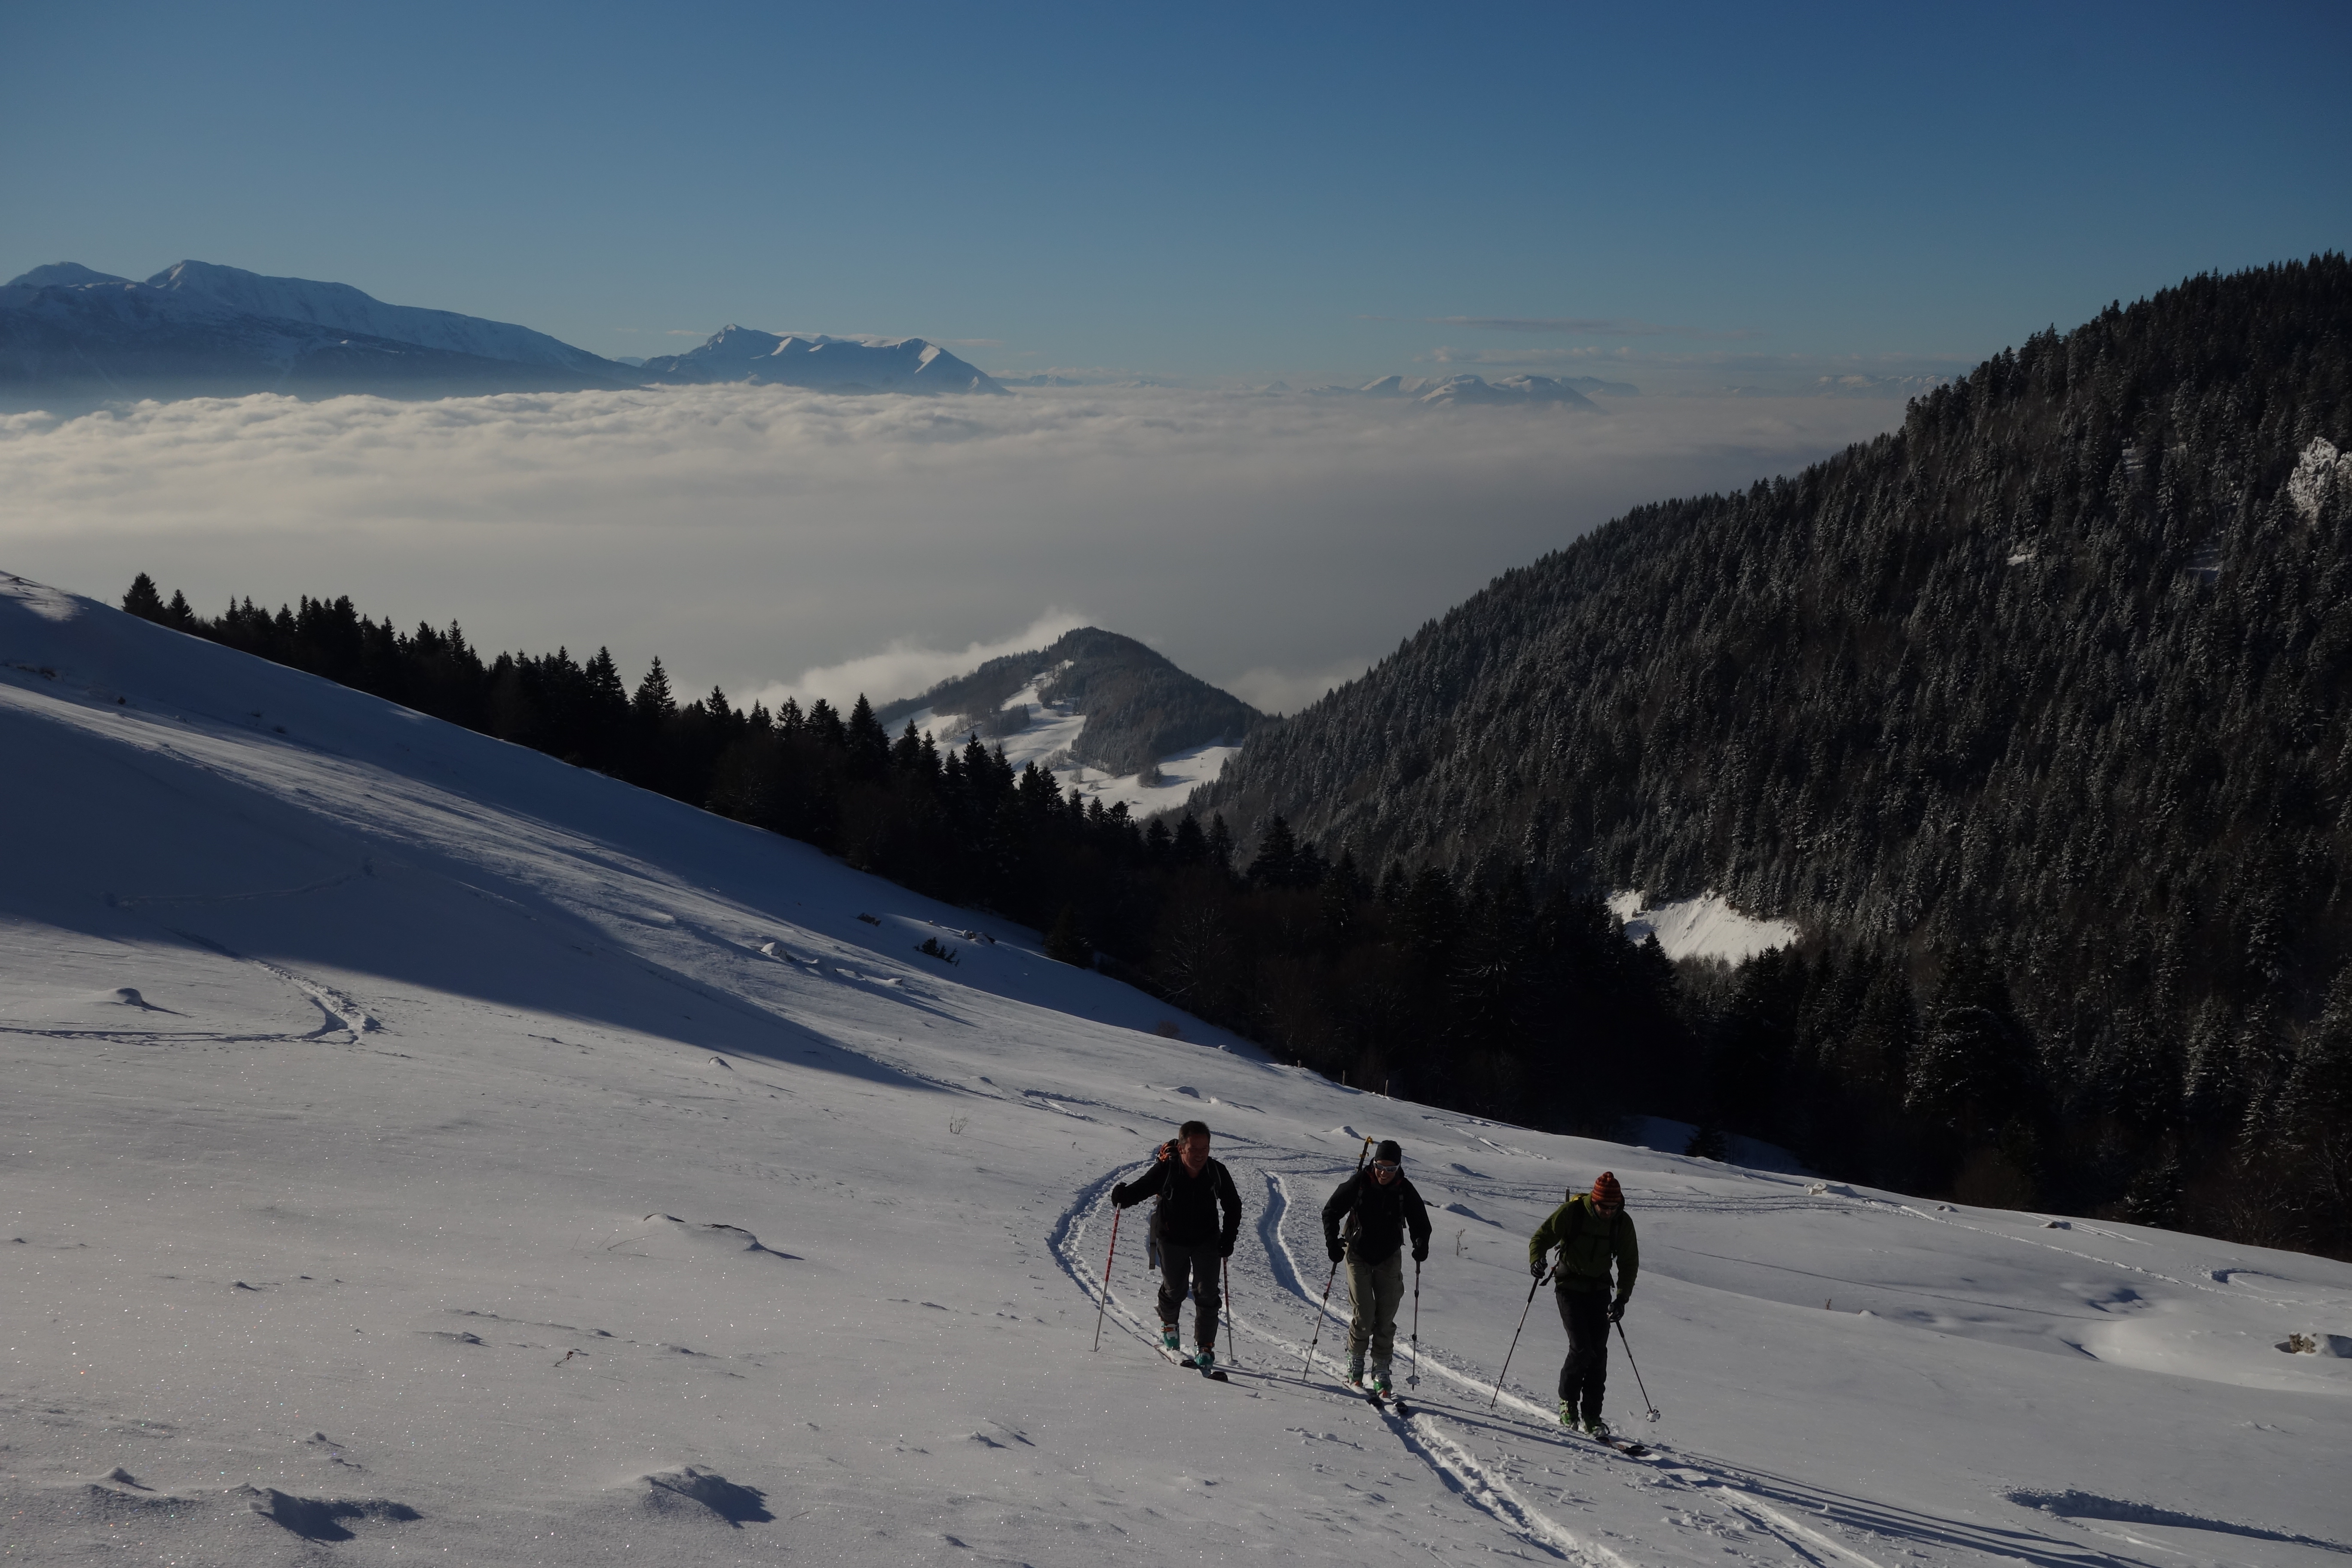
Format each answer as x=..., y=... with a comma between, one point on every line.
x=1214, y=1372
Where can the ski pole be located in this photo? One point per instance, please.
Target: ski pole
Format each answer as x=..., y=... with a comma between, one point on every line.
x=1105, y=1303
x=1233, y=1336
x=1414, y=1380
x=1636, y=1366
x=1515, y=1342
x=1324, y=1310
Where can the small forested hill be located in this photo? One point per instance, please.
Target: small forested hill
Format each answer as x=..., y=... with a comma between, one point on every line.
x=2034, y=713
x=1138, y=706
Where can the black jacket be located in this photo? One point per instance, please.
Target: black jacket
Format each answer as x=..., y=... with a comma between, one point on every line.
x=1383, y=1213
x=1187, y=1214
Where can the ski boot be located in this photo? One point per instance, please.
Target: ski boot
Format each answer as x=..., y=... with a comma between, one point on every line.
x=1380, y=1389
x=1567, y=1417
x=1597, y=1428
x=1204, y=1358
x=1168, y=1340
x=1355, y=1368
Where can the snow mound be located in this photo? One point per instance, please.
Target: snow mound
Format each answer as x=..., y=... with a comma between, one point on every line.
x=696, y=1494
x=1704, y=927
x=322, y=1518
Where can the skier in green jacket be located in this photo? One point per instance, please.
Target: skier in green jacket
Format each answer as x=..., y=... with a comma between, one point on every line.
x=1592, y=1231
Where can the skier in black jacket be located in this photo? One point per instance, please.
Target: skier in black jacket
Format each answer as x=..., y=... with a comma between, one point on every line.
x=1192, y=1229
x=1376, y=1206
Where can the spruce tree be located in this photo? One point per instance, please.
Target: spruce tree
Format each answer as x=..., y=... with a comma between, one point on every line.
x=1276, y=865
x=869, y=742
x=1221, y=846
x=143, y=600
x=1065, y=944
x=653, y=700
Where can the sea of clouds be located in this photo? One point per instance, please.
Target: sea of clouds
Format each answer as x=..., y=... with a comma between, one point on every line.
x=772, y=540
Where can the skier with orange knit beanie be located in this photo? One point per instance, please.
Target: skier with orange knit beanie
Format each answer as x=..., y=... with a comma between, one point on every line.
x=1592, y=1231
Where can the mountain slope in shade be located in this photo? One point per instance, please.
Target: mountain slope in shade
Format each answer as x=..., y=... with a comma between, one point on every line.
x=827, y=363
x=2035, y=714
x=72, y=344
x=62, y=274
x=417, y=1148
x=344, y=309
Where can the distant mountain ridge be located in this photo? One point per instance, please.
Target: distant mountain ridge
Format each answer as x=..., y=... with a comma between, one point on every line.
x=1441, y=391
x=342, y=307
x=814, y=360
x=1138, y=707
x=64, y=344
x=72, y=335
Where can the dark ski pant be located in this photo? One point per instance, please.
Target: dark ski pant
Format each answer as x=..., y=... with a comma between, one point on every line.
x=1192, y=1269
x=1585, y=1372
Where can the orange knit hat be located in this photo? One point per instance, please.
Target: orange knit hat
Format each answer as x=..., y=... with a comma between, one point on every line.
x=1605, y=1189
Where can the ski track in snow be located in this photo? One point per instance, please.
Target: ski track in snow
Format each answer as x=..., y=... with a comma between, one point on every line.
x=1423, y=1434
x=1734, y=1496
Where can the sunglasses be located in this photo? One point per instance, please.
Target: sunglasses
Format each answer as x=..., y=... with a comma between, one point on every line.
x=1388, y=1165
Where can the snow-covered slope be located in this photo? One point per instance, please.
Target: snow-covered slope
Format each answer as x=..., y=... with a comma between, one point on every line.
x=347, y=309
x=1052, y=731
x=416, y=1148
x=1704, y=927
x=813, y=358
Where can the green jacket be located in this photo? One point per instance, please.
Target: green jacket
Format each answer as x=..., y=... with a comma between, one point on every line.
x=1587, y=1242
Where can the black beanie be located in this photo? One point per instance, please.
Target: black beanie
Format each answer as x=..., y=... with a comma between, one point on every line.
x=1389, y=1151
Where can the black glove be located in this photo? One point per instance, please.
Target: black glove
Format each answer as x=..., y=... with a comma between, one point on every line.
x=1338, y=1250
x=1616, y=1311
x=1536, y=1268
x=1118, y=1195
x=1420, y=1252
x=1226, y=1250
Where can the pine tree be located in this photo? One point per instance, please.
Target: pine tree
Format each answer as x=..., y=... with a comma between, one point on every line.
x=1065, y=944
x=1221, y=846
x=869, y=742
x=1276, y=865
x=653, y=700
x=824, y=726
x=907, y=751
x=143, y=600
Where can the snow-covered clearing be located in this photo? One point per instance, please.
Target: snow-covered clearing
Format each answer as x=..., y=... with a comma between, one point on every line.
x=1053, y=729
x=1702, y=927
x=415, y=1148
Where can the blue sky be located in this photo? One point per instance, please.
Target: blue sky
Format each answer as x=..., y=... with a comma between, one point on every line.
x=1202, y=192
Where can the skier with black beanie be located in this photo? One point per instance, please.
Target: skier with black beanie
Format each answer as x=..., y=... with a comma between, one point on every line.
x=1365, y=1222
x=1193, y=1228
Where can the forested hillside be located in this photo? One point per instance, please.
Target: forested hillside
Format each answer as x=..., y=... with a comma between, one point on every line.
x=2032, y=713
